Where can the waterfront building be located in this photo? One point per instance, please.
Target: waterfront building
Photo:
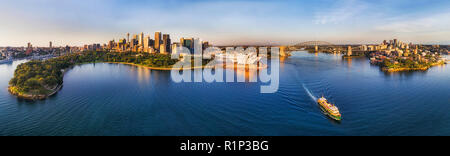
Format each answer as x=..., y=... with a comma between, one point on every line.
x=188, y=43
x=128, y=37
x=205, y=45
x=29, y=49
x=198, y=46
x=176, y=48
x=399, y=52
x=162, y=49
x=349, y=52
x=407, y=53
x=135, y=42
x=157, y=40
x=182, y=41
x=141, y=39
x=110, y=44
x=146, y=44
x=151, y=50
x=166, y=43
x=121, y=46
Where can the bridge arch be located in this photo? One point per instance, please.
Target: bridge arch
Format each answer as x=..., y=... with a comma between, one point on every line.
x=313, y=43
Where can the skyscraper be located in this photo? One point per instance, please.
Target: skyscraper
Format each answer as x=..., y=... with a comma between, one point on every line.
x=141, y=39
x=162, y=49
x=175, y=48
x=197, y=46
x=157, y=40
x=50, y=45
x=182, y=41
x=188, y=43
x=134, y=40
x=167, y=43
x=128, y=37
x=146, y=43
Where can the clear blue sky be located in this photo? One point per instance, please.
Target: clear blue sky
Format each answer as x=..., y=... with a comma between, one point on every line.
x=78, y=22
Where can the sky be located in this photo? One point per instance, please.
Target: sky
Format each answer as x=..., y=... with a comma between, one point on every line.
x=225, y=22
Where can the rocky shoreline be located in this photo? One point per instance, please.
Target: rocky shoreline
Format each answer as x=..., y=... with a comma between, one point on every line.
x=28, y=96
x=409, y=69
x=404, y=69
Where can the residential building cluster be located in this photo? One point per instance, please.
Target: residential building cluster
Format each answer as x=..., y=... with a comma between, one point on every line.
x=31, y=51
x=395, y=50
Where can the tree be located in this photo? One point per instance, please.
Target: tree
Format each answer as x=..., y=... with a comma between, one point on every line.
x=387, y=63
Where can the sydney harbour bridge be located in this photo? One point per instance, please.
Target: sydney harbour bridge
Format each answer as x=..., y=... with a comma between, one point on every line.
x=313, y=46
x=313, y=43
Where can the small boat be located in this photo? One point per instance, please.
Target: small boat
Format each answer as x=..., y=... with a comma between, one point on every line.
x=331, y=110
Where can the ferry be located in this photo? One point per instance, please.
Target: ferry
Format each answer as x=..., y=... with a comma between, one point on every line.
x=330, y=109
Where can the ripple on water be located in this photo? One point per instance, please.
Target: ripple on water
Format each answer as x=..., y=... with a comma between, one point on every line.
x=113, y=99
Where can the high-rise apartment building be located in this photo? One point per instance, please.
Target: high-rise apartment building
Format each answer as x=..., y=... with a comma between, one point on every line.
x=157, y=40
x=198, y=46
x=162, y=49
x=167, y=43
x=128, y=37
x=188, y=43
x=146, y=44
x=141, y=39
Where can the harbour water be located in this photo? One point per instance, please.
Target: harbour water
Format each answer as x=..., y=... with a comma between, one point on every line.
x=116, y=99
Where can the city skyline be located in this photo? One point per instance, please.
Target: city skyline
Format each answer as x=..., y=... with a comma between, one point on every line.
x=236, y=22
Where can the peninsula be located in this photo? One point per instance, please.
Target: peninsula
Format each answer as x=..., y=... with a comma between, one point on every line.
x=398, y=56
x=37, y=80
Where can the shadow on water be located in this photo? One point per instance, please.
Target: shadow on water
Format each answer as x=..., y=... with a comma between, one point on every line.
x=26, y=101
x=334, y=122
x=404, y=74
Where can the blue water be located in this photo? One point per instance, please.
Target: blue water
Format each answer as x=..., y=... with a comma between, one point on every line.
x=114, y=99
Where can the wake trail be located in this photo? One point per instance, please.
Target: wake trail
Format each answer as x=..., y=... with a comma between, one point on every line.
x=309, y=93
